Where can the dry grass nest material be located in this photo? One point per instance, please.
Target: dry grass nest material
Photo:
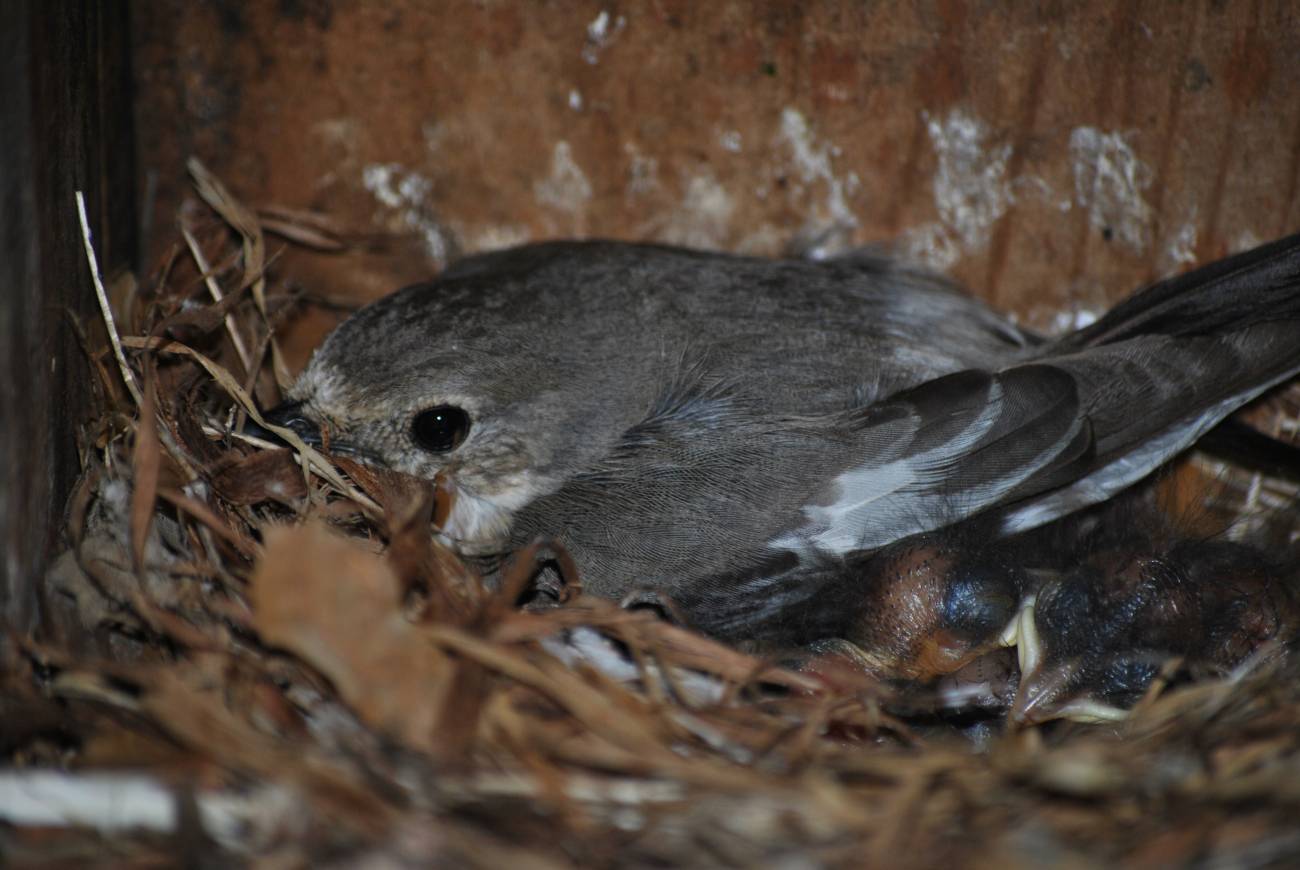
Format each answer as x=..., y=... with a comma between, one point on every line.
x=261, y=655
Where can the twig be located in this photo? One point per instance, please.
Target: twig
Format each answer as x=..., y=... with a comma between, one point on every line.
x=244, y=222
x=127, y=375
x=213, y=288
x=309, y=457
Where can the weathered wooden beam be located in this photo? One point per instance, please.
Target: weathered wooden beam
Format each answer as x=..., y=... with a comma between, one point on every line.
x=65, y=125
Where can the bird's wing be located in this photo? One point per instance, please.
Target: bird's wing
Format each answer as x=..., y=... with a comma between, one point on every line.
x=1096, y=411
x=946, y=450
x=1038, y=440
x=1151, y=397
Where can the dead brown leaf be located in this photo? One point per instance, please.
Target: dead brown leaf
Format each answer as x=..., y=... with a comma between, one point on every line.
x=338, y=607
x=145, y=460
x=266, y=475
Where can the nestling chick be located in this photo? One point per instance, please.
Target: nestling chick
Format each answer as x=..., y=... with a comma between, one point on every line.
x=1091, y=640
x=1094, y=607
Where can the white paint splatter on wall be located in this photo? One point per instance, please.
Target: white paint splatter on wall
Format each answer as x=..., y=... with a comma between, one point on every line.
x=731, y=141
x=404, y=194
x=602, y=30
x=971, y=191
x=642, y=172
x=567, y=187
x=703, y=217
x=932, y=245
x=1245, y=240
x=813, y=165
x=1180, y=251
x=1109, y=181
x=393, y=186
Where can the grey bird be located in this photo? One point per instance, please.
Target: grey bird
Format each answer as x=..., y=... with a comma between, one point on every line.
x=734, y=434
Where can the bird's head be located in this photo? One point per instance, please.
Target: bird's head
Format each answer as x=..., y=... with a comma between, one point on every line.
x=484, y=377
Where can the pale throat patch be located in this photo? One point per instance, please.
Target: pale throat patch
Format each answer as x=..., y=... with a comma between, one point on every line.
x=479, y=523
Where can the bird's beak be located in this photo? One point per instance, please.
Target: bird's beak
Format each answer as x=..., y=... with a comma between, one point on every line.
x=1044, y=692
x=290, y=416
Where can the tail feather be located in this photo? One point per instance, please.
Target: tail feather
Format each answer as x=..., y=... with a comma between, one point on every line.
x=1164, y=367
x=1256, y=286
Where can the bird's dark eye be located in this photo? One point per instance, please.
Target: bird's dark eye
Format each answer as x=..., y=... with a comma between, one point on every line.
x=441, y=428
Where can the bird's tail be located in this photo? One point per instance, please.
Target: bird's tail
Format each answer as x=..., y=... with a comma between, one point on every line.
x=1168, y=364
x=1257, y=286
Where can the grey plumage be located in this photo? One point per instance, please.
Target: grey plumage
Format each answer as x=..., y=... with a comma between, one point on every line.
x=728, y=431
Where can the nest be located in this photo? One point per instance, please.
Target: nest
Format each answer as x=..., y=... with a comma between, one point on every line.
x=260, y=655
